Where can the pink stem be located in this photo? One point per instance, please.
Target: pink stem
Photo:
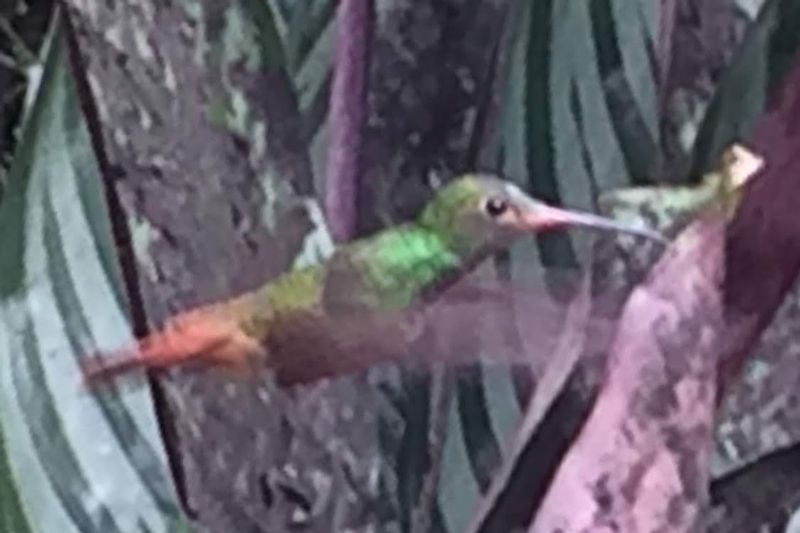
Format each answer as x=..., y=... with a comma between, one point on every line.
x=347, y=112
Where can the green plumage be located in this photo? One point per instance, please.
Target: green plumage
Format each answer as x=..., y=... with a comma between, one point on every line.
x=387, y=271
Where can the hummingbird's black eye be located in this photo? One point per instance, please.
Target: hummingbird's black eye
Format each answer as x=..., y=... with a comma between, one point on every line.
x=495, y=207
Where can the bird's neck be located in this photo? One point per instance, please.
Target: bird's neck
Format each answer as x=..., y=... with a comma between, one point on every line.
x=425, y=261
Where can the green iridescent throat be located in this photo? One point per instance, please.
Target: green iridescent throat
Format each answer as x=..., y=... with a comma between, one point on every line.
x=398, y=266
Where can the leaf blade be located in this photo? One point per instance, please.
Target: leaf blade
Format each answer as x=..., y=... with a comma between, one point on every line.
x=84, y=463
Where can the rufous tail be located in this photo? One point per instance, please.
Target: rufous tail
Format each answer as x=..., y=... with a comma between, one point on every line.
x=195, y=336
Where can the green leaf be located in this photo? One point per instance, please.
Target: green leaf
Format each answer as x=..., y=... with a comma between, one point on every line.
x=767, y=51
x=309, y=26
x=12, y=515
x=266, y=22
x=73, y=460
x=297, y=37
x=309, y=45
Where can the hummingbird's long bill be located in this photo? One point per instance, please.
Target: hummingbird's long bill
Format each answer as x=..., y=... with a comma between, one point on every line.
x=542, y=217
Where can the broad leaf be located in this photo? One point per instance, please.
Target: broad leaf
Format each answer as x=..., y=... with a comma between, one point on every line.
x=75, y=461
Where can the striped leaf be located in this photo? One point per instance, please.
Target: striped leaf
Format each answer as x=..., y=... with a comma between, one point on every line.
x=72, y=461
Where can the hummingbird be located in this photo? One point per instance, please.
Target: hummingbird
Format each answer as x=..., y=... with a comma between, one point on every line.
x=362, y=304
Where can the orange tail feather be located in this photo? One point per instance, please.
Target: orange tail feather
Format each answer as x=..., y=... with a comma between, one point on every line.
x=104, y=367
x=194, y=336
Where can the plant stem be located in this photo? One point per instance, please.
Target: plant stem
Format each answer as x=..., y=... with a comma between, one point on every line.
x=347, y=113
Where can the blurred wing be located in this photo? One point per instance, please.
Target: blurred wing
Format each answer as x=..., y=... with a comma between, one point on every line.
x=471, y=322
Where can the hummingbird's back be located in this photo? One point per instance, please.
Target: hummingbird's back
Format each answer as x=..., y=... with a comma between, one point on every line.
x=297, y=291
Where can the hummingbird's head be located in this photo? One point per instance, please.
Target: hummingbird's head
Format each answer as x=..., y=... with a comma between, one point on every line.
x=481, y=213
